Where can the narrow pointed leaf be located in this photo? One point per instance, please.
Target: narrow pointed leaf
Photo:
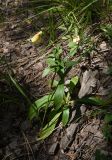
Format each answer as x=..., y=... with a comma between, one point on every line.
x=74, y=80
x=69, y=65
x=49, y=128
x=108, y=118
x=92, y=101
x=65, y=116
x=38, y=104
x=58, y=96
x=19, y=88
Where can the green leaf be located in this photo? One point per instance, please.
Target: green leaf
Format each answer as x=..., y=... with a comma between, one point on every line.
x=97, y=100
x=59, y=95
x=73, y=51
x=65, y=116
x=19, y=88
x=49, y=128
x=92, y=101
x=73, y=48
x=38, y=104
x=107, y=129
x=61, y=63
x=46, y=72
x=52, y=114
x=109, y=70
x=51, y=61
x=71, y=44
x=74, y=80
x=51, y=56
x=69, y=65
x=100, y=156
x=54, y=84
x=62, y=70
x=60, y=51
x=108, y=118
x=107, y=29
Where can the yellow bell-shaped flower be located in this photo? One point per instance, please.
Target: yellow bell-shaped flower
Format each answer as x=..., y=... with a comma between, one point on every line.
x=37, y=37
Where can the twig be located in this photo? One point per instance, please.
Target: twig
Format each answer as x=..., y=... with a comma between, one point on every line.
x=28, y=146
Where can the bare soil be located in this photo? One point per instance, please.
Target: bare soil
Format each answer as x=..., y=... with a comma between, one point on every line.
x=82, y=138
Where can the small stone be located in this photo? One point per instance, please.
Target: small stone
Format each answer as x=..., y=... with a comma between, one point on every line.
x=72, y=116
x=53, y=148
x=89, y=81
x=67, y=82
x=7, y=44
x=5, y=50
x=66, y=89
x=67, y=139
x=103, y=46
x=83, y=109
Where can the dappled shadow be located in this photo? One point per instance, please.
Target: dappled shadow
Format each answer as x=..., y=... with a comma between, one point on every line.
x=83, y=135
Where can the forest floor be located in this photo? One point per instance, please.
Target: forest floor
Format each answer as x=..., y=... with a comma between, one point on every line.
x=80, y=140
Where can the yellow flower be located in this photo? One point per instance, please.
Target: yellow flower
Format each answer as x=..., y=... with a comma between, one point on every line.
x=37, y=37
x=76, y=39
